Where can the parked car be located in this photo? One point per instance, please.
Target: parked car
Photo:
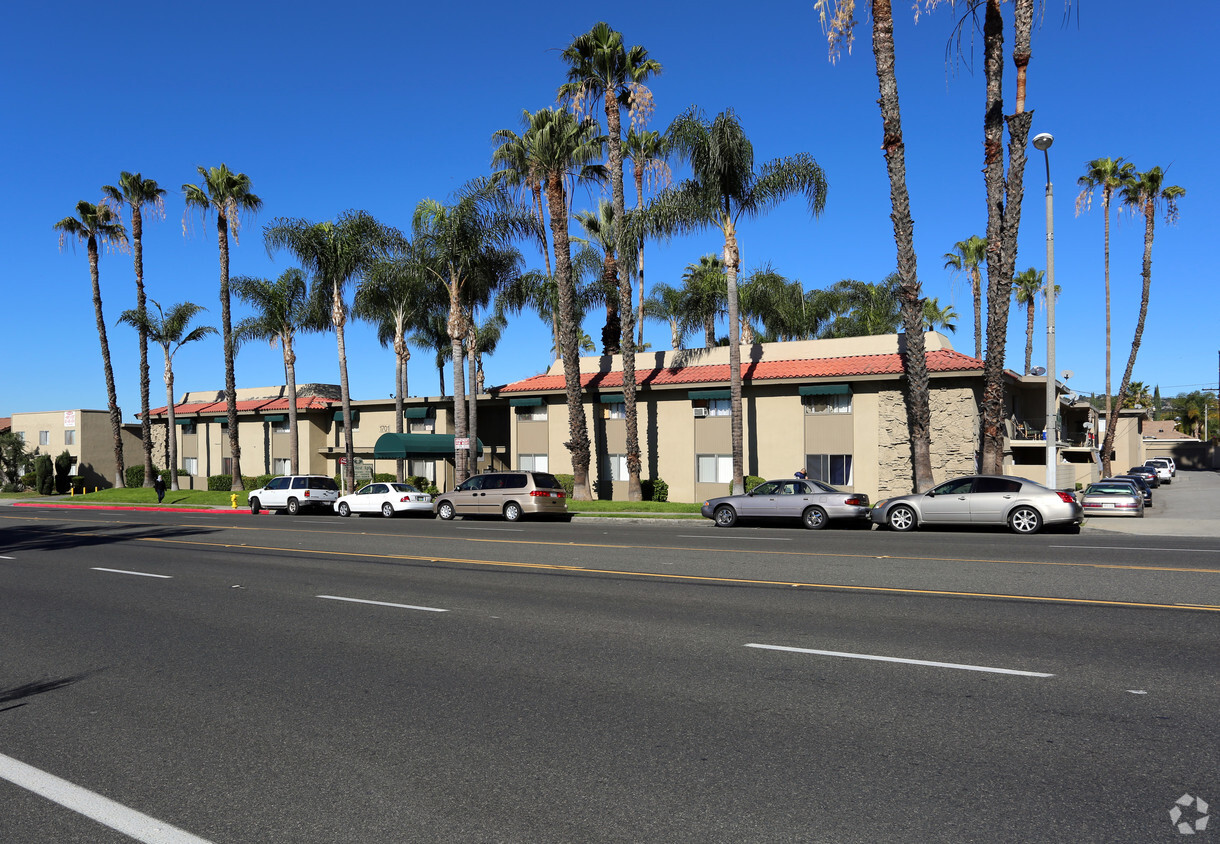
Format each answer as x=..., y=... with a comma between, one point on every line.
x=388, y=499
x=816, y=504
x=1173, y=466
x=1111, y=499
x=1141, y=483
x=295, y=493
x=1023, y=505
x=1161, y=466
x=508, y=494
x=1147, y=473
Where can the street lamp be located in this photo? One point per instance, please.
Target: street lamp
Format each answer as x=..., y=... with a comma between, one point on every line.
x=1043, y=142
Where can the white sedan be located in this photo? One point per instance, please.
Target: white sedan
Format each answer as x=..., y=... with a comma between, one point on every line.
x=388, y=499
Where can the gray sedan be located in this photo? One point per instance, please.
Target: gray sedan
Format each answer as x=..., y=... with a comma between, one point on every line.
x=813, y=502
x=1020, y=503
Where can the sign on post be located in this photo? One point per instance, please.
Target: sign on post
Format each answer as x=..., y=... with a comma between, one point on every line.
x=364, y=471
x=461, y=442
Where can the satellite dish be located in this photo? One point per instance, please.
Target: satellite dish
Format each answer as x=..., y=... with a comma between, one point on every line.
x=1067, y=373
x=1038, y=370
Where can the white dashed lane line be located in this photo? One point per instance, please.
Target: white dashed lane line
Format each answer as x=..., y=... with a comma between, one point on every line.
x=136, y=573
x=380, y=603
x=958, y=666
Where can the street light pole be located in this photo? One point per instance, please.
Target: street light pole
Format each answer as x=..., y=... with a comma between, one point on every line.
x=1043, y=142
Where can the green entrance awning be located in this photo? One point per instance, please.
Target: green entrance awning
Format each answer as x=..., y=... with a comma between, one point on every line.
x=415, y=413
x=278, y=418
x=826, y=390
x=703, y=395
x=611, y=398
x=402, y=446
x=181, y=421
x=536, y=401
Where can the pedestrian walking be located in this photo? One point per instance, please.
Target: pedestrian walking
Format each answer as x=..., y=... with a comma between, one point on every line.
x=159, y=486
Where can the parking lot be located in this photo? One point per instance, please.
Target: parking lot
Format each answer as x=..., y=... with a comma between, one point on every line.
x=1190, y=506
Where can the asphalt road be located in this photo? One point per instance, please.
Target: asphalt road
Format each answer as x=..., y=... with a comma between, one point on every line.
x=318, y=679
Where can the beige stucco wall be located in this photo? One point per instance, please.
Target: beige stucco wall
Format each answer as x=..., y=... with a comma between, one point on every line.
x=93, y=448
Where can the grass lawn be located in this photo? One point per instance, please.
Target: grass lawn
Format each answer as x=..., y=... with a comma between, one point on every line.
x=148, y=496
x=609, y=508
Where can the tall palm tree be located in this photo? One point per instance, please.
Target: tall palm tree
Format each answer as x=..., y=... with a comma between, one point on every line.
x=281, y=309
x=228, y=194
x=649, y=153
x=456, y=239
x=336, y=254
x=1025, y=288
x=724, y=187
x=169, y=331
x=667, y=304
x=601, y=67
x=135, y=192
x=565, y=148
x=968, y=256
x=1144, y=195
x=1108, y=174
x=518, y=168
x=601, y=235
x=96, y=224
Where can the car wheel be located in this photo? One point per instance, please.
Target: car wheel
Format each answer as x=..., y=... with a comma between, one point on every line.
x=387, y=510
x=815, y=518
x=512, y=511
x=445, y=510
x=344, y=510
x=1025, y=520
x=901, y=518
x=294, y=506
x=725, y=516
x=254, y=508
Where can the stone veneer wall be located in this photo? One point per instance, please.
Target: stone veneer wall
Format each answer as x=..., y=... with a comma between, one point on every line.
x=955, y=420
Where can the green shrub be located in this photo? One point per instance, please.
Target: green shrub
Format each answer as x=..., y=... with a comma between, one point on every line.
x=385, y=478
x=419, y=482
x=133, y=476
x=63, y=465
x=654, y=489
x=568, y=482
x=751, y=482
x=256, y=482
x=28, y=480
x=220, y=483
x=44, y=477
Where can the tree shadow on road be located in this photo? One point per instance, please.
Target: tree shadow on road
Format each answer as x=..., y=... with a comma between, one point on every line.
x=37, y=687
x=65, y=537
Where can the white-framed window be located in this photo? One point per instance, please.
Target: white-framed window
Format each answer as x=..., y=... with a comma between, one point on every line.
x=617, y=465
x=190, y=465
x=44, y=437
x=422, y=468
x=715, y=407
x=421, y=426
x=533, y=462
x=69, y=437
x=828, y=404
x=714, y=468
x=833, y=469
x=226, y=465
x=616, y=410
x=281, y=466
x=281, y=427
x=532, y=414
x=75, y=466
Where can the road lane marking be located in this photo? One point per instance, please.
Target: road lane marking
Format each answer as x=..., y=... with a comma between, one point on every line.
x=874, y=658
x=137, y=573
x=105, y=811
x=380, y=603
x=509, y=530
x=746, y=538
x=1142, y=548
x=7, y=558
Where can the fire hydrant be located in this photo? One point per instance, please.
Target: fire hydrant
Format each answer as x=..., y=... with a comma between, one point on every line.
x=233, y=500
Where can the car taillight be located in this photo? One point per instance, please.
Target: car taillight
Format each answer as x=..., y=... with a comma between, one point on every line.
x=858, y=501
x=404, y=499
x=306, y=493
x=539, y=493
x=1065, y=497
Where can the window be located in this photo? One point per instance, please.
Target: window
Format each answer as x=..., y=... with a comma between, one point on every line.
x=226, y=465
x=190, y=465
x=834, y=469
x=281, y=427
x=533, y=462
x=188, y=427
x=281, y=466
x=44, y=437
x=421, y=426
x=715, y=407
x=69, y=437
x=714, y=468
x=617, y=464
x=21, y=435
x=532, y=414
x=616, y=410
x=422, y=469
x=828, y=404
x=996, y=485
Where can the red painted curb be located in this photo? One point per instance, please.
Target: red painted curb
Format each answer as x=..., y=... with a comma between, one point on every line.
x=133, y=507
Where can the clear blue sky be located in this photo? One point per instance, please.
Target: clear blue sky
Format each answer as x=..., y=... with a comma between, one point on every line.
x=375, y=105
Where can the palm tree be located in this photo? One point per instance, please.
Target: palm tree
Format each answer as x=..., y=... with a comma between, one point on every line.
x=649, y=153
x=98, y=224
x=968, y=255
x=433, y=334
x=864, y=309
x=228, y=195
x=518, y=168
x=705, y=289
x=336, y=254
x=281, y=310
x=1138, y=395
x=135, y=192
x=779, y=305
x=1109, y=174
x=1025, y=288
x=601, y=235
x=601, y=67
x=667, y=304
x=168, y=330
x=1143, y=195
x=935, y=317
x=724, y=187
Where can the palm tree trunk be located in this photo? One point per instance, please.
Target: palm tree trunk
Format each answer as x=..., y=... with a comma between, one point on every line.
x=472, y=416
x=578, y=432
x=171, y=435
x=290, y=373
x=116, y=418
x=1105, y=205
x=1029, y=335
x=137, y=251
x=639, y=205
x=976, y=282
x=736, y=426
x=400, y=343
x=914, y=360
x=456, y=332
x=338, y=316
x=226, y=322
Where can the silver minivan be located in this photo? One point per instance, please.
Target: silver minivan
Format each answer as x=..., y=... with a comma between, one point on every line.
x=508, y=494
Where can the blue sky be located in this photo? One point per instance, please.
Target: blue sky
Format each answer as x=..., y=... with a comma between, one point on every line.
x=374, y=106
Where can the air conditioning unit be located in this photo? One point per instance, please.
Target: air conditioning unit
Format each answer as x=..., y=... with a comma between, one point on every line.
x=700, y=411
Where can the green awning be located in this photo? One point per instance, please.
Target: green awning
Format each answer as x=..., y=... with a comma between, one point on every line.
x=339, y=415
x=415, y=413
x=402, y=446
x=701, y=395
x=535, y=401
x=223, y=420
x=278, y=418
x=611, y=398
x=826, y=390
x=181, y=421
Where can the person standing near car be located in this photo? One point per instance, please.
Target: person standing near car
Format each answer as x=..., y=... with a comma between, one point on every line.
x=801, y=473
x=159, y=486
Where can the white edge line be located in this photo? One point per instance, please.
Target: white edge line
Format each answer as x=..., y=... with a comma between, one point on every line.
x=905, y=661
x=755, y=538
x=137, y=573
x=1142, y=548
x=510, y=530
x=380, y=603
x=2, y=557
x=105, y=811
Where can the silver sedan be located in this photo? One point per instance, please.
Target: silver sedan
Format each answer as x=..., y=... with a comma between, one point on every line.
x=813, y=502
x=1110, y=498
x=1020, y=503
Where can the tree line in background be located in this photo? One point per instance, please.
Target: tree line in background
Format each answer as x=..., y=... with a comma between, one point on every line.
x=451, y=283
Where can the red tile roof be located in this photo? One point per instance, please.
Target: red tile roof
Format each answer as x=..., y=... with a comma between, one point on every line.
x=942, y=360
x=217, y=408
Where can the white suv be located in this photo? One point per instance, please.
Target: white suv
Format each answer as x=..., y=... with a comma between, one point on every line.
x=1164, y=469
x=294, y=493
